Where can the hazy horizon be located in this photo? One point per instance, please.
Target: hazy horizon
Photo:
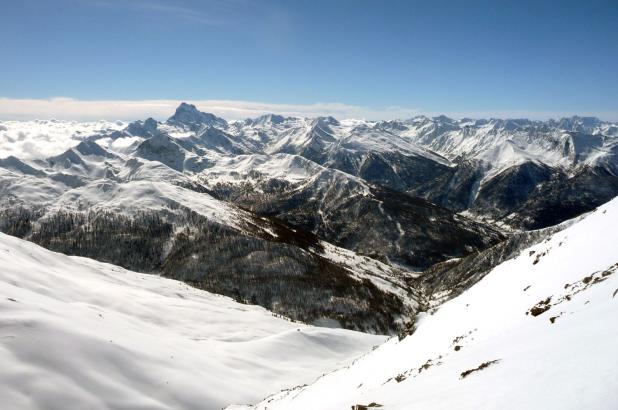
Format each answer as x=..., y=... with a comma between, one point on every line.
x=349, y=59
x=68, y=109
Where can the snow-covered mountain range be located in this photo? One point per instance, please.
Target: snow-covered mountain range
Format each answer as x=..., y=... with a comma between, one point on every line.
x=354, y=208
x=487, y=246
x=463, y=165
x=541, y=322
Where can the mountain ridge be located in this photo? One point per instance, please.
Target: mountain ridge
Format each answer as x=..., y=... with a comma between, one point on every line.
x=394, y=197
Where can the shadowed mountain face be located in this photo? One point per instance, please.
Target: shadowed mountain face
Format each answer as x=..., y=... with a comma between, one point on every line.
x=312, y=218
x=372, y=220
x=490, y=168
x=188, y=116
x=512, y=187
x=564, y=197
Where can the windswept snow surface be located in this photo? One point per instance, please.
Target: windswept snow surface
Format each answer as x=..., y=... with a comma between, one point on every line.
x=538, y=332
x=79, y=334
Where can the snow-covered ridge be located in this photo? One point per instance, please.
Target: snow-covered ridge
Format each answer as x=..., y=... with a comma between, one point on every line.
x=333, y=170
x=567, y=142
x=445, y=161
x=500, y=143
x=538, y=331
x=287, y=167
x=89, y=178
x=79, y=334
x=448, y=162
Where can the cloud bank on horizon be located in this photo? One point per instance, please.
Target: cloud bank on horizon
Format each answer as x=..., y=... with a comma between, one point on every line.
x=127, y=110
x=71, y=109
x=45, y=138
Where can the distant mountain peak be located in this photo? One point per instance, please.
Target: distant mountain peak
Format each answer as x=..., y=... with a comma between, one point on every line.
x=150, y=123
x=92, y=148
x=188, y=115
x=143, y=128
x=162, y=148
x=443, y=118
x=269, y=119
x=577, y=123
x=326, y=121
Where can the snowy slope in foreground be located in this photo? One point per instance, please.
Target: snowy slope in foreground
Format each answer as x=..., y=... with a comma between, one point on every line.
x=539, y=331
x=78, y=334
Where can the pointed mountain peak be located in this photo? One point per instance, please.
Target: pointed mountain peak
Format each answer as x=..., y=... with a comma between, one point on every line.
x=187, y=108
x=269, y=119
x=150, y=123
x=143, y=128
x=443, y=118
x=189, y=115
x=164, y=149
x=326, y=121
x=91, y=148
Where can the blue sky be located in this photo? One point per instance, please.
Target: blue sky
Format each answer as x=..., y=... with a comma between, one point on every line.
x=381, y=58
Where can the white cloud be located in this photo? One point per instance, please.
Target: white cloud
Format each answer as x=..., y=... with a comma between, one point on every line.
x=41, y=139
x=92, y=110
x=86, y=110
x=22, y=136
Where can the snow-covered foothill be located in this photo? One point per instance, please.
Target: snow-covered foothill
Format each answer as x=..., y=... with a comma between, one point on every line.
x=79, y=334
